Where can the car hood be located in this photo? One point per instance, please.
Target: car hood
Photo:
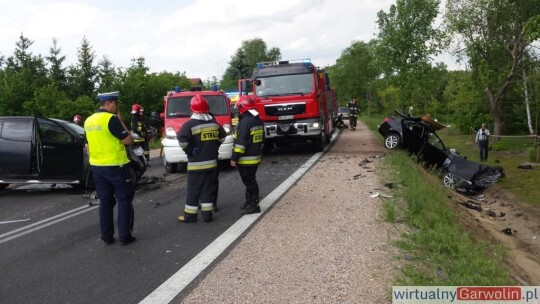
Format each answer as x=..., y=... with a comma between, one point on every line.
x=473, y=172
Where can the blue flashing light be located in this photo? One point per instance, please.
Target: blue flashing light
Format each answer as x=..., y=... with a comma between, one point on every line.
x=214, y=87
x=177, y=89
x=259, y=65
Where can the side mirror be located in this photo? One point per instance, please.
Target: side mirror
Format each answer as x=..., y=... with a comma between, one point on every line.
x=257, y=82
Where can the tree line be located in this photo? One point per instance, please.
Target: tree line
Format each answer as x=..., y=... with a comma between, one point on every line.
x=496, y=40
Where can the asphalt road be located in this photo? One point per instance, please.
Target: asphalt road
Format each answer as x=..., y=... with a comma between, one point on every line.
x=52, y=252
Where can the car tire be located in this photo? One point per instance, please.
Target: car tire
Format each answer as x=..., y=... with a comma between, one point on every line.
x=170, y=167
x=449, y=180
x=392, y=141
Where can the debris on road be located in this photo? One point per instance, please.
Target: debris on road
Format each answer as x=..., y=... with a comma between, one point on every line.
x=471, y=205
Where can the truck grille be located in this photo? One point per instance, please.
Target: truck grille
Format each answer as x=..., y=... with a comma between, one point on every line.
x=285, y=109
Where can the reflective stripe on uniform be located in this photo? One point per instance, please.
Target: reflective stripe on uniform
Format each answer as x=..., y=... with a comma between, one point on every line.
x=204, y=127
x=191, y=209
x=239, y=148
x=249, y=160
x=208, y=164
x=207, y=206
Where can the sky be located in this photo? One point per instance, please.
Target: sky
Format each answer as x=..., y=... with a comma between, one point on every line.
x=197, y=37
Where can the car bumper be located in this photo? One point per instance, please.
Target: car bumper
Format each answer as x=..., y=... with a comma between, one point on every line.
x=174, y=154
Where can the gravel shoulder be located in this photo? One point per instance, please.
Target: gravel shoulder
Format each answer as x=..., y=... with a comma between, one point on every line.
x=323, y=242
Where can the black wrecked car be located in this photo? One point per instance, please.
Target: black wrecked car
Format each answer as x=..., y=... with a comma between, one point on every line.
x=40, y=150
x=417, y=135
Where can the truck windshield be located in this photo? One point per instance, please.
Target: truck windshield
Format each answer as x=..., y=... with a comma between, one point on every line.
x=180, y=106
x=285, y=85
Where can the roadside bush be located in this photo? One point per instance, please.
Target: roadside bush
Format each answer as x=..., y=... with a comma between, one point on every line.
x=532, y=152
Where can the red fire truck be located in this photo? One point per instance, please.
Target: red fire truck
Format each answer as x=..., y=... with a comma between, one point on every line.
x=295, y=102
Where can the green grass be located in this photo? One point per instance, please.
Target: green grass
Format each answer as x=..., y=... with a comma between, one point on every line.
x=436, y=248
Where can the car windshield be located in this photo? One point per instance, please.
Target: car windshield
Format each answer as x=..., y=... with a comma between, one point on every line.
x=283, y=85
x=180, y=106
x=343, y=110
x=72, y=126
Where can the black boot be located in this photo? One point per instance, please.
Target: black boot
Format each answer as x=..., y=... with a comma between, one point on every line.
x=253, y=204
x=246, y=202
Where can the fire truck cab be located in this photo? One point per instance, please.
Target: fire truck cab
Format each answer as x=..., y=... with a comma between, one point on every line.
x=294, y=100
x=177, y=109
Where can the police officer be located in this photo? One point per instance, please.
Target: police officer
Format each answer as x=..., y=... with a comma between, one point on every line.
x=139, y=127
x=353, y=113
x=200, y=137
x=107, y=134
x=247, y=150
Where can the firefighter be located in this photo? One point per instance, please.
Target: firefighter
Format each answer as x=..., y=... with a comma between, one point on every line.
x=339, y=122
x=139, y=127
x=77, y=119
x=200, y=138
x=107, y=134
x=353, y=113
x=247, y=150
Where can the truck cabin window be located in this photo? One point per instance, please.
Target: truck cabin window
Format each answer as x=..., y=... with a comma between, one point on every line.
x=181, y=106
x=284, y=85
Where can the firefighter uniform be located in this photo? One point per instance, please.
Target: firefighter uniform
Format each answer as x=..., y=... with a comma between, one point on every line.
x=139, y=127
x=200, y=138
x=353, y=114
x=247, y=150
x=110, y=165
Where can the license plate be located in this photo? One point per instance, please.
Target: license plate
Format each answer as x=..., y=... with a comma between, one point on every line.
x=285, y=117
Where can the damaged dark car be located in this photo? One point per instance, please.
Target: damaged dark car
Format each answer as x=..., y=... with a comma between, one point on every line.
x=417, y=135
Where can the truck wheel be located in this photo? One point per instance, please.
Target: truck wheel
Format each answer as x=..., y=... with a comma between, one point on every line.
x=319, y=142
x=170, y=167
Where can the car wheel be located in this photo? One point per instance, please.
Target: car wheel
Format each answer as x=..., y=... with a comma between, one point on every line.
x=449, y=180
x=170, y=167
x=392, y=141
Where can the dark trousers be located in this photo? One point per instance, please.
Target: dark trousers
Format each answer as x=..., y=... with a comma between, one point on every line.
x=352, y=120
x=200, y=188
x=113, y=185
x=215, y=185
x=483, y=145
x=248, y=174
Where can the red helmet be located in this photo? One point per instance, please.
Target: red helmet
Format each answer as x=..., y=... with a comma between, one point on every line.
x=199, y=105
x=136, y=108
x=245, y=103
x=77, y=118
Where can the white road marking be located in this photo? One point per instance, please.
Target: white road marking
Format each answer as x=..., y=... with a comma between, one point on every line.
x=45, y=223
x=167, y=291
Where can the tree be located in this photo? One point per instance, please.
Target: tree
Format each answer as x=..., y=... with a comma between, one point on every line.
x=494, y=37
x=57, y=74
x=107, y=77
x=82, y=77
x=408, y=41
x=245, y=60
x=355, y=70
x=23, y=74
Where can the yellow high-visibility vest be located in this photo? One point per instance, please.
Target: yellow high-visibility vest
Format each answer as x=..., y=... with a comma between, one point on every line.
x=104, y=149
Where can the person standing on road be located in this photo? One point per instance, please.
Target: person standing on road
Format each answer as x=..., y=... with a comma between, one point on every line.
x=106, y=135
x=200, y=138
x=353, y=114
x=247, y=150
x=482, y=139
x=139, y=127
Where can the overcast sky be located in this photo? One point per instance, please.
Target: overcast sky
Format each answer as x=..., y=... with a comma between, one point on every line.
x=197, y=37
